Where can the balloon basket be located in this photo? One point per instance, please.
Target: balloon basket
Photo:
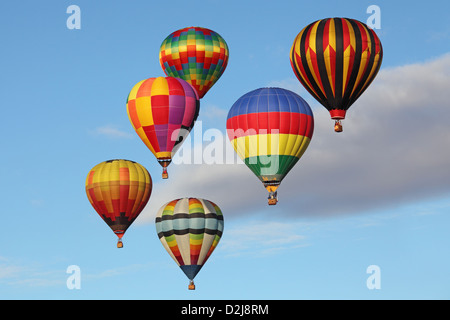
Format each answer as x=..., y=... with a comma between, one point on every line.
x=338, y=126
x=165, y=175
x=191, y=285
x=273, y=198
x=119, y=244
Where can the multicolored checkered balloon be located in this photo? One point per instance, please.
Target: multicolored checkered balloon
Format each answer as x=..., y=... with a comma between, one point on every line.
x=197, y=55
x=163, y=111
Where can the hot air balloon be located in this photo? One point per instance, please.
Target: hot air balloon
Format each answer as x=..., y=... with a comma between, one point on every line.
x=189, y=229
x=270, y=129
x=118, y=190
x=336, y=59
x=163, y=111
x=197, y=55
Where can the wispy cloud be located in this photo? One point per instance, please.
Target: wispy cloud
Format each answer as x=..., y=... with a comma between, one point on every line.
x=112, y=132
x=213, y=112
x=291, y=84
x=29, y=274
x=8, y=271
x=116, y=271
x=14, y=273
x=262, y=238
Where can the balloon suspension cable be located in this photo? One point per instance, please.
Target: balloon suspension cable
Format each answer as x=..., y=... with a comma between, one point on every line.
x=338, y=126
x=191, y=285
x=119, y=243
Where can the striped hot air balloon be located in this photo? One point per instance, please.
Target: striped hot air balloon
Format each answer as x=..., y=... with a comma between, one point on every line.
x=118, y=190
x=189, y=230
x=197, y=55
x=336, y=59
x=163, y=111
x=270, y=129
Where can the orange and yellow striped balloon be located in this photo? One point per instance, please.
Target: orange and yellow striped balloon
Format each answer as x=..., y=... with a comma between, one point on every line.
x=118, y=190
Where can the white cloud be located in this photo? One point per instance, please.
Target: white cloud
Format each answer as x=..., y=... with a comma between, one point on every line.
x=394, y=150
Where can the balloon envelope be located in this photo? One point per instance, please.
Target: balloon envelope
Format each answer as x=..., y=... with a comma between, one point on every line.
x=163, y=111
x=270, y=129
x=197, y=55
x=118, y=190
x=189, y=229
x=336, y=59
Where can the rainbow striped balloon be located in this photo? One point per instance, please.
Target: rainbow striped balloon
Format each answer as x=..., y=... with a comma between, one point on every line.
x=189, y=230
x=270, y=129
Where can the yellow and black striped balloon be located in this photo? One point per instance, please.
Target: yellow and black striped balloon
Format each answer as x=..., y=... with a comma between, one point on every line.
x=336, y=59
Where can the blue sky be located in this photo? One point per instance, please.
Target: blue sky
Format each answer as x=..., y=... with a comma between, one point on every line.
x=378, y=194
